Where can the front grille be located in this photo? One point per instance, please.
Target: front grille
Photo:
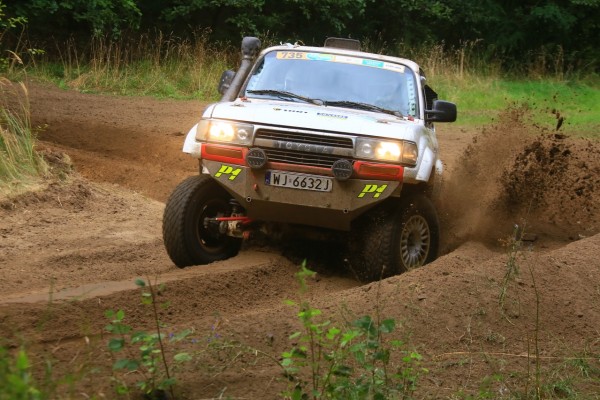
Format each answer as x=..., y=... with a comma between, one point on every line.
x=323, y=140
x=302, y=158
x=336, y=144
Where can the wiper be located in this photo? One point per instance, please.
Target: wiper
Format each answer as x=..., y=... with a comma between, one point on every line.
x=363, y=106
x=282, y=94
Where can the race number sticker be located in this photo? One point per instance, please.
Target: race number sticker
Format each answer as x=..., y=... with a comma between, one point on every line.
x=229, y=171
x=374, y=190
x=291, y=55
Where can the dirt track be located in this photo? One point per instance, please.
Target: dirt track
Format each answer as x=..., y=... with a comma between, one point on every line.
x=89, y=239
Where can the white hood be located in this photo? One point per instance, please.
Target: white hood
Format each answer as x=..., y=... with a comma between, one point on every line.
x=315, y=117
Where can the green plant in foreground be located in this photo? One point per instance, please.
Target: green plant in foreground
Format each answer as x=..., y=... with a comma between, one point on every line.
x=149, y=361
x=353, y=363
x=16, y=382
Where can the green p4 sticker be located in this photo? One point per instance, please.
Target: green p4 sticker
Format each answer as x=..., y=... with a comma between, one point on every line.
x=376, y=190
x=228, y=170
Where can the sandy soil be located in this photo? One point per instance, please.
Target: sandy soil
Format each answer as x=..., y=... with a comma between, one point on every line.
x=72, y=250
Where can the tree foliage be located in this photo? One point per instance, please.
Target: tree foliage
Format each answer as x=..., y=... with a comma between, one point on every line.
x=64, y=17
x=509, y=28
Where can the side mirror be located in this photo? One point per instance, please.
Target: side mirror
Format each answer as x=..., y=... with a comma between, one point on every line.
x=225, y=81
x=443, y=111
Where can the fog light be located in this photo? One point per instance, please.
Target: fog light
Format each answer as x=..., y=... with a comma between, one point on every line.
x=256, y=158
x=342, y=170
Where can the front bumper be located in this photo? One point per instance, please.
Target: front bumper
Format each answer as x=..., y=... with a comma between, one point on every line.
x=335, y=209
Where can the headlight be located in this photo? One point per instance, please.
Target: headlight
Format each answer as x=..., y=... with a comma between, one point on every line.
x=224, y=132
x=387, y=150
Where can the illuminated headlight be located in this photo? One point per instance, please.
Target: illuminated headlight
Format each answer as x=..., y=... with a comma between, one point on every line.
x=387, y=150
x=224, y=132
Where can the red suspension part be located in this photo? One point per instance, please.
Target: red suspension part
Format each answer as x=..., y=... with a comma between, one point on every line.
x=242, y=219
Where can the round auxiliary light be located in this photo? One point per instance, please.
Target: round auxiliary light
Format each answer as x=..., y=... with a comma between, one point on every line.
x=342, y=169
x=256, y=158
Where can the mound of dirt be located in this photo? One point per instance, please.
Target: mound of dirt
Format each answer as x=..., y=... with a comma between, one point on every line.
x=72, y=232
x=450, y=312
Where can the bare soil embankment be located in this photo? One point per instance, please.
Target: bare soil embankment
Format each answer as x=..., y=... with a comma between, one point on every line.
x=88, y=238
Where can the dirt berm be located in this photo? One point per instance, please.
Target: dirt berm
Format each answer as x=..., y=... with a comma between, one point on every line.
x=493, y=315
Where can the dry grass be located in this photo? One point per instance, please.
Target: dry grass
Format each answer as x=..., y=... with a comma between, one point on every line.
x=20, y=163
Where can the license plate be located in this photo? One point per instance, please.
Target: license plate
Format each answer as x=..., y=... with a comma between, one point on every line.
x=298, y=181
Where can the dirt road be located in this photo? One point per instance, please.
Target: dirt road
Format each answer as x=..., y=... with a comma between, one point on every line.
x=86, y=239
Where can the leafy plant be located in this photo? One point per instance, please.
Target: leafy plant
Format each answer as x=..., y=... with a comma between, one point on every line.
x=7, y=24
x=350, y=363
x=144, y=351
x=16, y=382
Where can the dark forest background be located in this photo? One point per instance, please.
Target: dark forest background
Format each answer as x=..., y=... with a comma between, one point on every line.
x=507, y=30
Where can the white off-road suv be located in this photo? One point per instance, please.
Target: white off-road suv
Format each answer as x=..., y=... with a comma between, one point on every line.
x=314, y=139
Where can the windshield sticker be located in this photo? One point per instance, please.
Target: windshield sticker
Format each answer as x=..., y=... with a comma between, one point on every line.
x=320, y=57
x=301, y=55
x=373, y=63
x=349, y=60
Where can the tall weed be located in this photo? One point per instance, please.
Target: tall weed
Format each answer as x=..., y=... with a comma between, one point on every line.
x=19, y=160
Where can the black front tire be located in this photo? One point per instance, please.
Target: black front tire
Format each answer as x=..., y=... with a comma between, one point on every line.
x=389, y=241
x=187, y=240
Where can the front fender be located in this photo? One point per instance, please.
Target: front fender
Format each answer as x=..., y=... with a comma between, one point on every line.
x=428, y=161
x=191, y=146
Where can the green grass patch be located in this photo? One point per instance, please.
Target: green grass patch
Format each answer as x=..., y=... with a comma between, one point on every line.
x=480, y=100
x=154, y=65
x=173, y=80
x=165, y=66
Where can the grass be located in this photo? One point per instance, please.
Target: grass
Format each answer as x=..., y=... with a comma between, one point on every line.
x=166, y=66
x=481, y=100
x=20, y=164
x=155, y=65
x=482, y=89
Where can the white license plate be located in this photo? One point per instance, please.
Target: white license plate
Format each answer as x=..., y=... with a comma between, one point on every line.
x=298, y=181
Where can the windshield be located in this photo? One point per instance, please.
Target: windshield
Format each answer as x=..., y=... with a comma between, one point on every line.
x=336, y=80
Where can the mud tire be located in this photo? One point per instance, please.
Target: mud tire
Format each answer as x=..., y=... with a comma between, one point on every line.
x=186, y=239
x=389, y=241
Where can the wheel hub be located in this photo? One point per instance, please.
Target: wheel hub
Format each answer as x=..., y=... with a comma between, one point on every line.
x=415, y=241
